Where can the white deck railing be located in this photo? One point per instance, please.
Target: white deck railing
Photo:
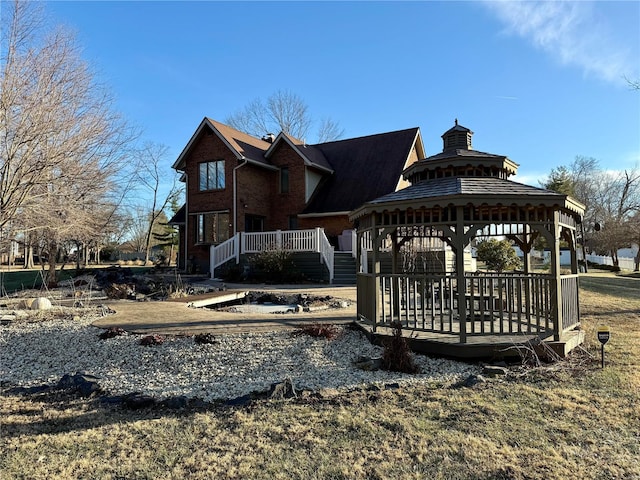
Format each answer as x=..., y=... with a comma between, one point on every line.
x=312, y=240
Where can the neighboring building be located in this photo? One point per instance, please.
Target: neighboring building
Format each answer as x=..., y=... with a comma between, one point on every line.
x=239, y=183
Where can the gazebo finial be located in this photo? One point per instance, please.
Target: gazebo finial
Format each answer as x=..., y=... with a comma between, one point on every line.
x=456, y=122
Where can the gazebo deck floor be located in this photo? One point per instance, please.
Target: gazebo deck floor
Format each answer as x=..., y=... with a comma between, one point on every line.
x=477, y=345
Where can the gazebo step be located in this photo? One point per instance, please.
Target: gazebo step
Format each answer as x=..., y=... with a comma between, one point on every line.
x=568, y=341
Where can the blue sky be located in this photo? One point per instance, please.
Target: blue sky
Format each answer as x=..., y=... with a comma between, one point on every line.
x=540, y=82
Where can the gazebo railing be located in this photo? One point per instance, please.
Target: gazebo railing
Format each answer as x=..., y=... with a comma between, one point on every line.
x=495, y=304
x=570, y=302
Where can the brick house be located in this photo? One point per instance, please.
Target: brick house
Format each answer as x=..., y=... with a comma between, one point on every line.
x=239, y=183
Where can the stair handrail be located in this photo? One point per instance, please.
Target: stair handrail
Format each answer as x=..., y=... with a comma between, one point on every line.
x=326, y=251
x=225, y=251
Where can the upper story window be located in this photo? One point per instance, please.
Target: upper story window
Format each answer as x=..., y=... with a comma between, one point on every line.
x=284, y=180
x=212, y=176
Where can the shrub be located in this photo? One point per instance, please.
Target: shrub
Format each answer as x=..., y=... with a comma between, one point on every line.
x=498, y=255
x=274, y=265
x=231, y=272
x=152, y=340
x=112, y=332
x=328, y=331
x=397, y=356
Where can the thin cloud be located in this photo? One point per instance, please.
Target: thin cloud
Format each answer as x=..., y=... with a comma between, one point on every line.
x=569, y=32
x=505, y=97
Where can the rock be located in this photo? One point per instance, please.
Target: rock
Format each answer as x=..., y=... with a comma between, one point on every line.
x=282, y=390
x=41, y=303
x=392, y=386
x=138, y=400
x=176, y=403
x=152, y=340
x=494, y=370
x=105, y=310
x=205, y=338
x=239, y=401
x=82, y=383
x=7, y=319
x=26, y=303
x=369, y=364
x=470, y=381
x=340, y=304
x=112, y=332
x=112, y=400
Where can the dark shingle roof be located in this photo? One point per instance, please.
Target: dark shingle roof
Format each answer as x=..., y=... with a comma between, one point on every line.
x=313, y=154
x=364, y=169
x=461, y=152
x=473, y=186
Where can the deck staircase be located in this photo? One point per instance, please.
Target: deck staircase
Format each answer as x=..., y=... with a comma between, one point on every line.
x=344, y=268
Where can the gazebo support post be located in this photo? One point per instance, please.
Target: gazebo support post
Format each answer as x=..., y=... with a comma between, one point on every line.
x=458, y=243
x=556, y=284
x=375, y=285
x=396, y=281
x=526, y=251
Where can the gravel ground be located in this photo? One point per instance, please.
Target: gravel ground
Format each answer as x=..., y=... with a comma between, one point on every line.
x=34, y=353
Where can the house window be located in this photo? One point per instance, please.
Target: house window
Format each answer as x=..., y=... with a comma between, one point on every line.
x=212, y=228
x=212, y=175
x=253, y=223
x=284, y=180
x=293, y=222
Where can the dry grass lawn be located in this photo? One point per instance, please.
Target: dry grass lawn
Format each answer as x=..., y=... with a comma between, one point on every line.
x=571, y=420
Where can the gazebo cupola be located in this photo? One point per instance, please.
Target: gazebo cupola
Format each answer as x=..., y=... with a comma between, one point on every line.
x=457, y=137
x=458, y=159
x=456, y=196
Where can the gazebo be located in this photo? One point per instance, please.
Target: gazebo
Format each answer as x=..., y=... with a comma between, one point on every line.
x=416, y=267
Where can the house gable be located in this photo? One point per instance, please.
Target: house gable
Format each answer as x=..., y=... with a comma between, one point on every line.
x=311, y=156
x=241, y=145
x=417, y=153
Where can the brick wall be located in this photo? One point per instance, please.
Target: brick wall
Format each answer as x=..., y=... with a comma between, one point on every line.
x=254, y=194
x=207, y=147
x=284, y=205
x=333, y=225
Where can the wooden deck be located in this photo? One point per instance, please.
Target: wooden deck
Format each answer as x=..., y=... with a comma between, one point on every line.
x=477, y=346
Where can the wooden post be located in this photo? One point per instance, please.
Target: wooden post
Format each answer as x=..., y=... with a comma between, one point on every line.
x=375, y=285
x=573, y=247
x=556, y=285
x=526, y=246
x=458, y=245
x=395, y=281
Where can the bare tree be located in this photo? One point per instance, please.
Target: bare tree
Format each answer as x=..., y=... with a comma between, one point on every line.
x=329, y=130
x=60, y=139
x=283, y=111
x=150, y=179
x=137, y=226
x=616, y=204
x=633, y=84
x=612, y=201
x=634, y=229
